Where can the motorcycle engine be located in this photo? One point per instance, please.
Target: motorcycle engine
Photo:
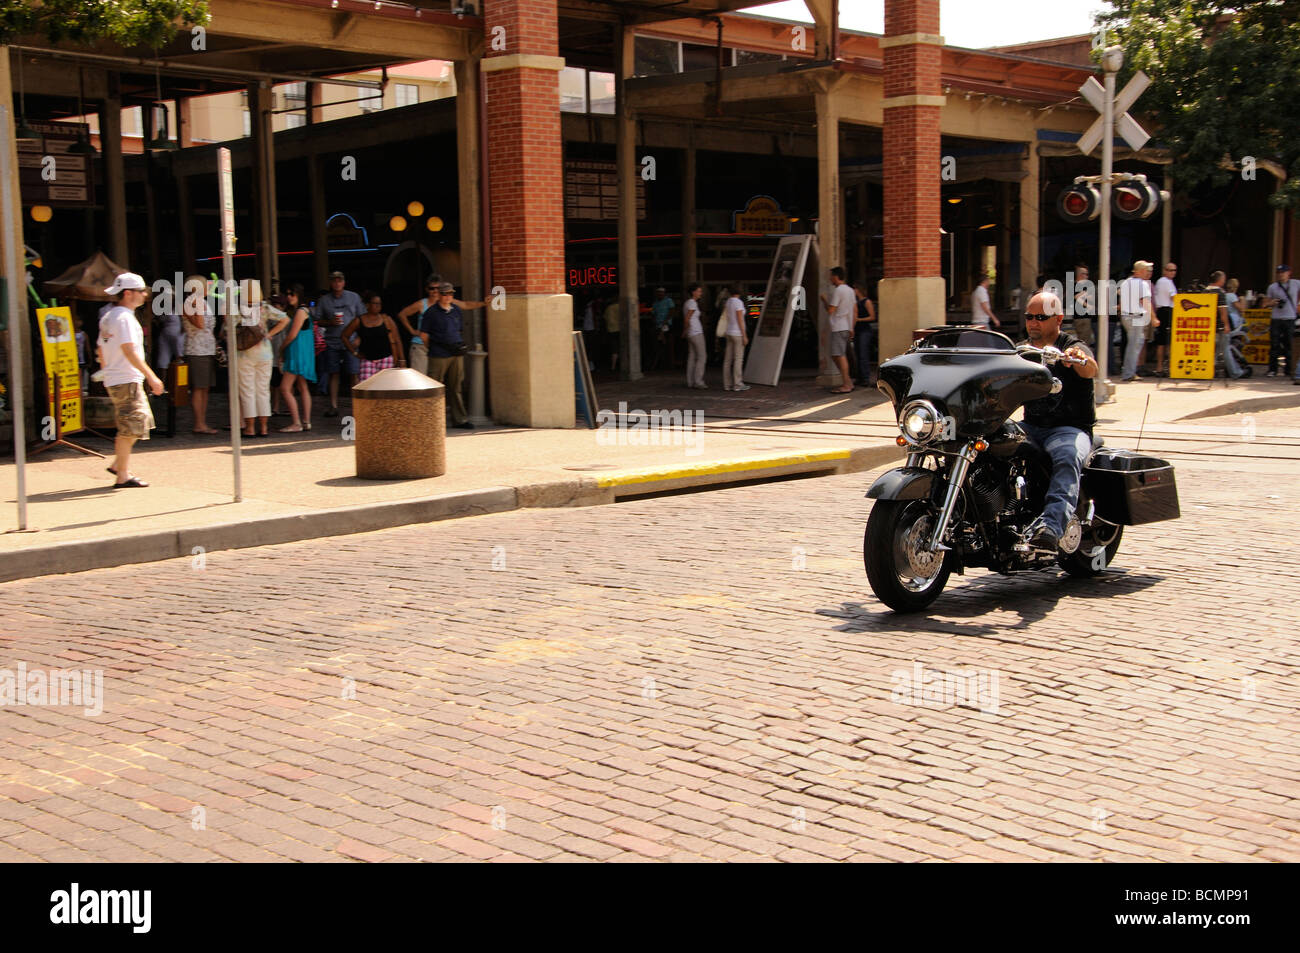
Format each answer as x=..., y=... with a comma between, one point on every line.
x=987, y=492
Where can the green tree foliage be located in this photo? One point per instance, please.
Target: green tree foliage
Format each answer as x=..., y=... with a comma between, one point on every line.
x=126, y=22
x=1225, y=82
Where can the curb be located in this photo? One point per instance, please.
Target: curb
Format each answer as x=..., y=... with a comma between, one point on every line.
x=369, y=517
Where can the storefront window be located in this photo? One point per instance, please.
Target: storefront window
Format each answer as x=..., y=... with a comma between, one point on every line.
x=655, y=57
x=573, y=90
x=602, y=98
x=743, y=57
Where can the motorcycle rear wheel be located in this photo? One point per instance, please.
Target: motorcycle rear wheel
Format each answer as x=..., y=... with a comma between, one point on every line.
x=895, y=529
x=1083, y=563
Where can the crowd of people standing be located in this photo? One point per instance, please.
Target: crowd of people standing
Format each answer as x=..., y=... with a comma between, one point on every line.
x=721, y=335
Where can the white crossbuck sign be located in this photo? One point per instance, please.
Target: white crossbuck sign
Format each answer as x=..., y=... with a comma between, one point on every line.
x=1125, y=125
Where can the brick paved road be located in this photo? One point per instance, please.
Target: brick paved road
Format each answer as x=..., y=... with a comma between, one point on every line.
x=659, y=680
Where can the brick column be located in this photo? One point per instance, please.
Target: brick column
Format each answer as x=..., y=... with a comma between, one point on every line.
x=529, y=343
x=912, y=291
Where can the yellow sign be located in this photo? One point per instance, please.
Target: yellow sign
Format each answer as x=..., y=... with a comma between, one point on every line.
x=1258, y=322
x=59, y=341
x=1191, y=339
x=762, y=214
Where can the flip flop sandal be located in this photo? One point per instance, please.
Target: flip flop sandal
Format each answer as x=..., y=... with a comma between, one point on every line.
x=134, y=481
x=112, y=470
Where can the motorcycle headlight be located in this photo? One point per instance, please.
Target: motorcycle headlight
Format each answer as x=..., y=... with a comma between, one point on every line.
x=920, y=421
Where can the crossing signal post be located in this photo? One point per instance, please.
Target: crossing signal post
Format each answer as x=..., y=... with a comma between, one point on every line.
x=1114, y=113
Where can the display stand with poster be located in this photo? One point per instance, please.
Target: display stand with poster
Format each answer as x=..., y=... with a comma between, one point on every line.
x=796, y=256
x=1258, y=323
x=63, y=378
x=584, y=391
x=1191, y=339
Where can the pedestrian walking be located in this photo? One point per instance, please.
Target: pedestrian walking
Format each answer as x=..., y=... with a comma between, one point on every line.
x=1163, y=299
x=200, y=349
x=588, y=329
x=1136, y=313
x=1085, y=306
x=299, y=367
x=693, y=332
x=253, y=338
x=613, y=326
x=169, y=340
x=334, y=311
x=419, y=354
x=864, y=335
x=841, y=307
x=981, y=312
x=379, y=346
x=125, y=373
x=441, y=328
x=733, y=362
x=662, y=309
x=1282, y=296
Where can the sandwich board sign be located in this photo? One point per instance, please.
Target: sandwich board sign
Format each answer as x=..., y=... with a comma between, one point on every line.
x=796, y=255
x=1191, y=339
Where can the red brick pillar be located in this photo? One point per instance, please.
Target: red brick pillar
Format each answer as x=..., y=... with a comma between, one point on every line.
x=912, y=293
x=529, y=345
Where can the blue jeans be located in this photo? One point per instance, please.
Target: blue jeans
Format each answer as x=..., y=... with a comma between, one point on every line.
x=1133, y=345
x=1069, y=448
x=1222, y=341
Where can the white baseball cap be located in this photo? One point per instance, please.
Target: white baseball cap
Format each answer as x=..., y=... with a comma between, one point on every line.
x=126, y=281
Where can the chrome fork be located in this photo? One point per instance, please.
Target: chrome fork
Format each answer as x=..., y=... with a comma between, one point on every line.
x=960, y=467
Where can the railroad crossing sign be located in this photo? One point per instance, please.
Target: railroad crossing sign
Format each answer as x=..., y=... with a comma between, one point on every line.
x=1125, y=124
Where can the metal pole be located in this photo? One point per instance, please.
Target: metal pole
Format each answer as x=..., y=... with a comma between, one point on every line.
x=227, y=226
x=1112, y=63
x=17, y=311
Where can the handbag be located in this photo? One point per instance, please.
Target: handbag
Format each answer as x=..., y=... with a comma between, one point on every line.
x=249, y=335
x=721, y=331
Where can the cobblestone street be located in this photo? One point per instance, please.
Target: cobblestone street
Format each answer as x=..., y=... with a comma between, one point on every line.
x=691, y=677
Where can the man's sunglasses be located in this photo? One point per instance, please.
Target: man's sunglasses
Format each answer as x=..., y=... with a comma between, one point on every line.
x=1039, y=317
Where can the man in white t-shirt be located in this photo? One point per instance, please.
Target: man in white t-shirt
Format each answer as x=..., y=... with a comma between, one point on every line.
x=1162, y=297
x=841, y=309
x=1136, y=312
x=693, y=332
x=733, y=363
x=124, y=372
x=980, y=311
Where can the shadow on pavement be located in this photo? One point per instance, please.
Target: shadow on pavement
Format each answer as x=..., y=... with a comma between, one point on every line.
x=1029, y=597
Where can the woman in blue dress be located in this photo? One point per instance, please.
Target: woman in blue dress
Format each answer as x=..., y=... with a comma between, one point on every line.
x=299, y=355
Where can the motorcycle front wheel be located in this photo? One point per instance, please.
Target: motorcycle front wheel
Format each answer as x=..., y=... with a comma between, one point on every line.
x=902, y=571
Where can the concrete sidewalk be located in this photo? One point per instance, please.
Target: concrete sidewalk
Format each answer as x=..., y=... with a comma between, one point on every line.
x=299, y=486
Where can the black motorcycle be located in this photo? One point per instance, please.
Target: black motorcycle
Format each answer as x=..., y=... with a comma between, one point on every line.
x=973, y=481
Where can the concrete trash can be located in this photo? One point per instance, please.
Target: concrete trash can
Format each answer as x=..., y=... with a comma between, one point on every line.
x=401, y=427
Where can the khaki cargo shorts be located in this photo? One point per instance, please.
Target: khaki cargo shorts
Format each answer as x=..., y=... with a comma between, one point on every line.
x=132, y=414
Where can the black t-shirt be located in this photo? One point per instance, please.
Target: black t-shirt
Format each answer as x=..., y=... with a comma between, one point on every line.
x=1075, y=405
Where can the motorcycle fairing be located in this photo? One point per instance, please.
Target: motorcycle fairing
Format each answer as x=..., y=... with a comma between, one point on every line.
x=980, y=390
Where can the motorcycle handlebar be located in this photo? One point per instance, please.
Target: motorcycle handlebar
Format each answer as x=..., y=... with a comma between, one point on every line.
x=1049, y=354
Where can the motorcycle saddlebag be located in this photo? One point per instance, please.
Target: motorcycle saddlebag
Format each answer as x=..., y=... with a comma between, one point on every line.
x=1131, y=488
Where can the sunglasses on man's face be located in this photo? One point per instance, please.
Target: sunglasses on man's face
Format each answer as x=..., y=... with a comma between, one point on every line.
x=1039, y=317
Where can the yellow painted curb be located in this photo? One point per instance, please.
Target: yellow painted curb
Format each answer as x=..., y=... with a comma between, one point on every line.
x=655, y=474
